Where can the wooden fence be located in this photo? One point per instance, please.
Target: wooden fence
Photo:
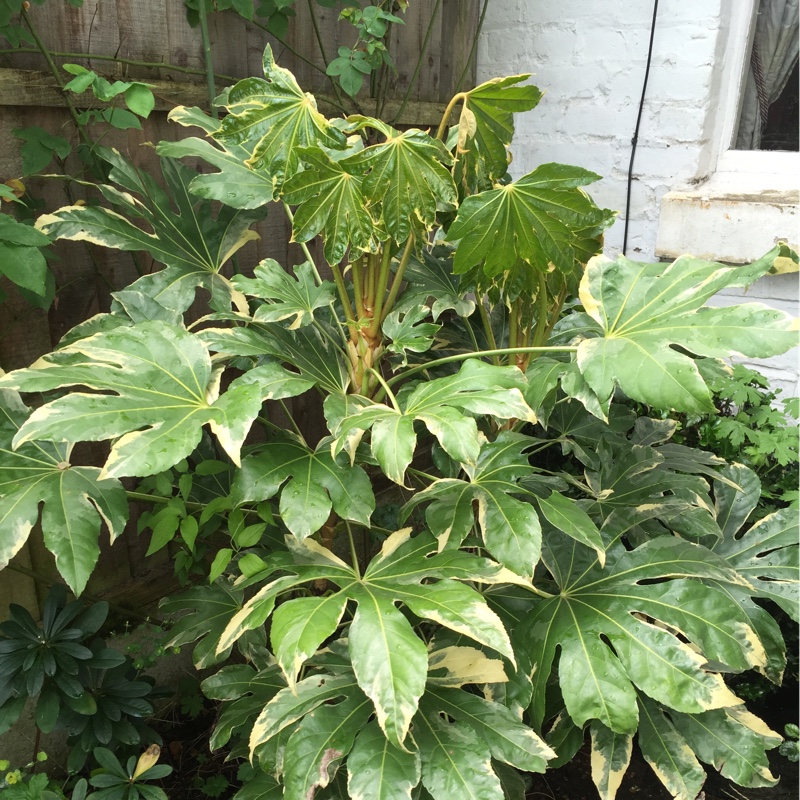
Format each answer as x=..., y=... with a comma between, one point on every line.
x=151, y=40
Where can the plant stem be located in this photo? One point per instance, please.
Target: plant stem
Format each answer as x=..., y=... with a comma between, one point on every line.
x=295, y=426
x=487, y=327
x=386, y=389
x=398, y=277
x=304, y=246
x=556, y=310
x=154, y=498
x=380, y=291
x=36, y=740
x=474, y=47
x=202, y=14
x=513, y=331
x=422, y=52
x=337, y=277
x=57, y=75
x=380, y=94
x=540, y=333
x=357, y=269
x=353, y=553
x=421, y=474
x=457, y=98
x=502, y=351
x=370, y=283
x=117, y=59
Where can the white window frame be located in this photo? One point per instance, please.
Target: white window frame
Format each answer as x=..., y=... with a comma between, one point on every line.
x=742, y=201
x=769, y=169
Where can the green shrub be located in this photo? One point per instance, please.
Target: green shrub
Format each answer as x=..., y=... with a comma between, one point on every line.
x=422, y=600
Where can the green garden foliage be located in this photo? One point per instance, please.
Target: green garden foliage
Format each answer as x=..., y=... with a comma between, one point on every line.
x=492, y=541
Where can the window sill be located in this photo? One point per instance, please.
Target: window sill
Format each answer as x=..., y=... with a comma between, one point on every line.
x=733, y=217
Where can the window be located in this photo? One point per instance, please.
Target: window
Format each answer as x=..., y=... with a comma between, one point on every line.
x=768, y=104
x=764, y=31
x=744, y=200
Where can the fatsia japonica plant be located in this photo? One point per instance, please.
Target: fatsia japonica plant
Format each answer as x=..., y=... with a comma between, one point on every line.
x=482, y=556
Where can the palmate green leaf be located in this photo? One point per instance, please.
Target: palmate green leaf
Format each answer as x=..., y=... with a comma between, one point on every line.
x=304, y=348
x=213, y=607
x=509, y=739
x=406, y=174
x=672, y=760
x=644, y=309
x=262, y=787
x=600, y=609
x=565, y=738
x=229, y=683
x=512, y=781
x=75, y=500
x=273, y=118
x=573, y=384
x=733, y=741
x=455, y=666
x=588, y=242
x=300, y=626
x=611, y=755
x=330, y=201
x=486, y=125
x=389, y=659
x=445, y=406
x=247, y=691
x=316, y=484
x=377, y=770
x=135, y=305
x=568, y=517
x=456, y=762
x=767, y=556
x=320, y=743
x=531, y=220
x=432, y=278
x=409, y=333
x=639, y=489
x=186, y=238
x=288, y=297
x=510, y=527
x=164, y=391
x=543, y=375
x=235, y=185
x=290, y=704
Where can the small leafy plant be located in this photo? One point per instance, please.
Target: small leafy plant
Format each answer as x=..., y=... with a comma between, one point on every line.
x=474, y=553
x=790, y=748
x=755, y=426
x=115, y=782
x=137, y=96
x=79, y=685
x=26, y=784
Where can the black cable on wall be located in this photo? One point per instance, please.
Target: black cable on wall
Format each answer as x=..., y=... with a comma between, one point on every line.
x=635, y=138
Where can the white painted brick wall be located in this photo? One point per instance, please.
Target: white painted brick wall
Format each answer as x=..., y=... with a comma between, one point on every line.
x=589, y=59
